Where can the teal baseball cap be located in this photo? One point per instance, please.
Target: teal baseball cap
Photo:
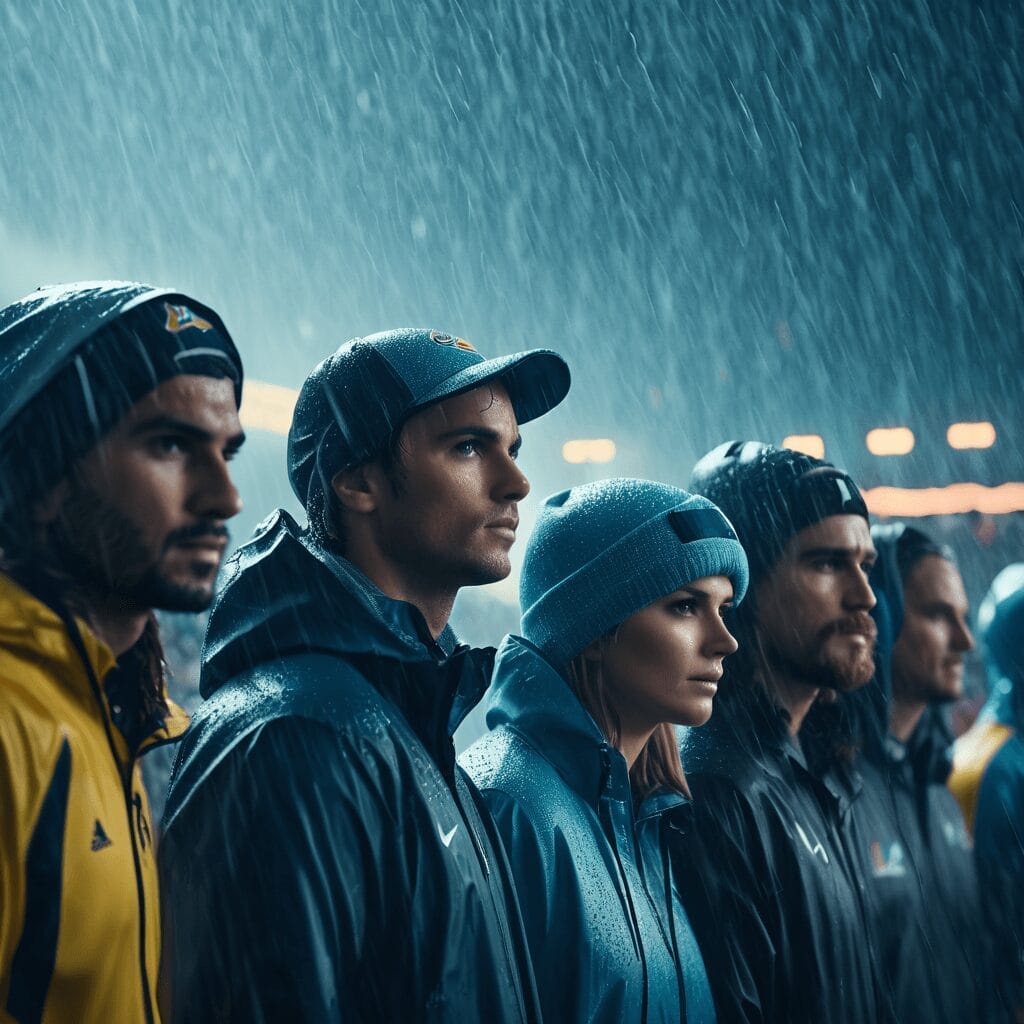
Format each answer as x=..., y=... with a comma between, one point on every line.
x=354, y=401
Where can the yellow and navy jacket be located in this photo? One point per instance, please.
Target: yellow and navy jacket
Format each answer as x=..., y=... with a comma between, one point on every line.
x=79, y=909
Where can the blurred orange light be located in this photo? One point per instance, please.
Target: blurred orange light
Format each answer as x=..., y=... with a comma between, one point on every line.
x=945, y=501
x=267, y=407
x=971, y=435
x=890, y=441
x=599, y=449
x=809, y=444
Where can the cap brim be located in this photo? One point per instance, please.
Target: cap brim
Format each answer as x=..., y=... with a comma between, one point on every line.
x=536, y=382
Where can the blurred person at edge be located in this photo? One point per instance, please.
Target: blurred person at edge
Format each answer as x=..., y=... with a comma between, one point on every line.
x=988, y=781
x=623, y=591
x=914, y=847
x=769, y=874
x=325, y=858
x=119, y=418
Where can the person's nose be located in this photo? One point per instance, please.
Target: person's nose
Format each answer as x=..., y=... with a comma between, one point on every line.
x=214, y=495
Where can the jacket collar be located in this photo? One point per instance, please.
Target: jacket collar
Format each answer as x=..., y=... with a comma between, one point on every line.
x=34, y=632
x=284, y=594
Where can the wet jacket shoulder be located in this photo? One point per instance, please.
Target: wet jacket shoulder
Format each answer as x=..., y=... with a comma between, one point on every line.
x=768, y=876
x=999, y=852
x=77, y=867
x=325, y=857
x=608, y=936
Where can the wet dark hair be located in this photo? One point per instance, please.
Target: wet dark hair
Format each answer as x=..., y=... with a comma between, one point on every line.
x=658, y=767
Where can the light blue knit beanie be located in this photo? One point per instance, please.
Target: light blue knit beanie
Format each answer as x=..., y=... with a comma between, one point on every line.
x=602, y=551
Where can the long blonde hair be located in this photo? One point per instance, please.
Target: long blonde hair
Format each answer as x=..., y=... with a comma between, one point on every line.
x=658, y=767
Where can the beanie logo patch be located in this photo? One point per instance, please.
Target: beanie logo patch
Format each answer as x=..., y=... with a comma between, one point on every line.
x=699, y=524
x=181, y=318
x=446, y=339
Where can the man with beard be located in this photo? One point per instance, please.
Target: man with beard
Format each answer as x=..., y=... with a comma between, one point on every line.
x=915, y=851
x=769, y=875
x=325, y=857
x=119, y=417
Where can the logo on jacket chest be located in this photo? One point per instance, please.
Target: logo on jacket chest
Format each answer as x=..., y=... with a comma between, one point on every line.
x=811, y=842
x=888, y=859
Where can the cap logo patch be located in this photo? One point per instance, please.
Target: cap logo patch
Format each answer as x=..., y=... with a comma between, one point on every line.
x=180, y=318
x=446, y=339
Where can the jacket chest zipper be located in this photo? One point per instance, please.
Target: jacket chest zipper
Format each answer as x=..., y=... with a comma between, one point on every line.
x=626, y=898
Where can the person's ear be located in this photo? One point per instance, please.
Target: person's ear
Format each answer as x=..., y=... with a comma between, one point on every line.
x=46, y=509
x=358, y=489
x=594, y=651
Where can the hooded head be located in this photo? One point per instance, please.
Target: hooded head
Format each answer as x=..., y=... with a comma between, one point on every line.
x=1000, y=629
x=76, y=358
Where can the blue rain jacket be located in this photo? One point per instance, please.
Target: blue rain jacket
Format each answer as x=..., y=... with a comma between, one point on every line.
x=325, y=859
x=607, y=932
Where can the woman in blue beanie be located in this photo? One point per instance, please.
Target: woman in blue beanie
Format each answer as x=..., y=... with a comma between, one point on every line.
x=623, y=591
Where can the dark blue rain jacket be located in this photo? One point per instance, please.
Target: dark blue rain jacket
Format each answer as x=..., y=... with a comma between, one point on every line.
x=990, y=762
x=609, y=938
x=325, y=859
x=914, y=848
x=769, y=875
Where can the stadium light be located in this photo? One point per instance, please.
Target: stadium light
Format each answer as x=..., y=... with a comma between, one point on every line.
x=599, y=449
x=267, y=407
x=971, y=435
x=945, y=501
x=807, y=444
x=890, y=441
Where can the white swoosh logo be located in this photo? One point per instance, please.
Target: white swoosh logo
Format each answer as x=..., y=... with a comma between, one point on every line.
x=446, y=837
x=812, y=850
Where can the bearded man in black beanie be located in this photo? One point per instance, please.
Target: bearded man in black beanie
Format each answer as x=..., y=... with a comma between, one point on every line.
x=118, y=417
x=769, y=873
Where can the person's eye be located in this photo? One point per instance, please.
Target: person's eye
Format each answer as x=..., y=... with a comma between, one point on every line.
x=467, y=448
x=167, y=444
x=687, y=606
x=828, y=564
x=725, y=609
x=230, y=454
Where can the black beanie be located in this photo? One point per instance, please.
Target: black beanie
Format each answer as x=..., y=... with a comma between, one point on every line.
x=769, y=494
x=102, y=380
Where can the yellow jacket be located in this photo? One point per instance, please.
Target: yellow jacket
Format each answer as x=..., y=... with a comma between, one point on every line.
x=79, y=909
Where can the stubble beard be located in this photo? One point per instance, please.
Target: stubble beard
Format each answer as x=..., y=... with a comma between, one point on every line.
x=105, y=555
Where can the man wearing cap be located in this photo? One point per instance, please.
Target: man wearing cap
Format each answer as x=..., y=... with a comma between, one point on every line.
x=769, y=875
x=915, y=851
x=326, y=858
x=118, y=416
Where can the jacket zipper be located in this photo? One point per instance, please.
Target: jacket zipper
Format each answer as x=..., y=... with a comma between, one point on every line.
x=627, y=899
x=126, y=778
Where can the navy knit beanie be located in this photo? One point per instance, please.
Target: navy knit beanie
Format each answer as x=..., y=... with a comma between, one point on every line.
x=603, y=551
x=770, y=494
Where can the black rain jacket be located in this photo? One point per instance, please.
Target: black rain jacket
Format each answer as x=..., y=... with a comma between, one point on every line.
x=914, y=848
x=768, y=876
x=325, y=859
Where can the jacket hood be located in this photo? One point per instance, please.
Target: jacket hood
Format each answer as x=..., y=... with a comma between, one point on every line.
x=530, y=695
x=999, y=628
x=282, y=594
x=929, y=750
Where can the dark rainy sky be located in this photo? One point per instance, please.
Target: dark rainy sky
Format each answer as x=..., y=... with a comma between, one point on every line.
x=733, y=219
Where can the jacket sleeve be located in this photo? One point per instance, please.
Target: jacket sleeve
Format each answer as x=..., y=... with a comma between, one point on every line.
x=264, y=875
x=724, y=876
x=999, y=853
